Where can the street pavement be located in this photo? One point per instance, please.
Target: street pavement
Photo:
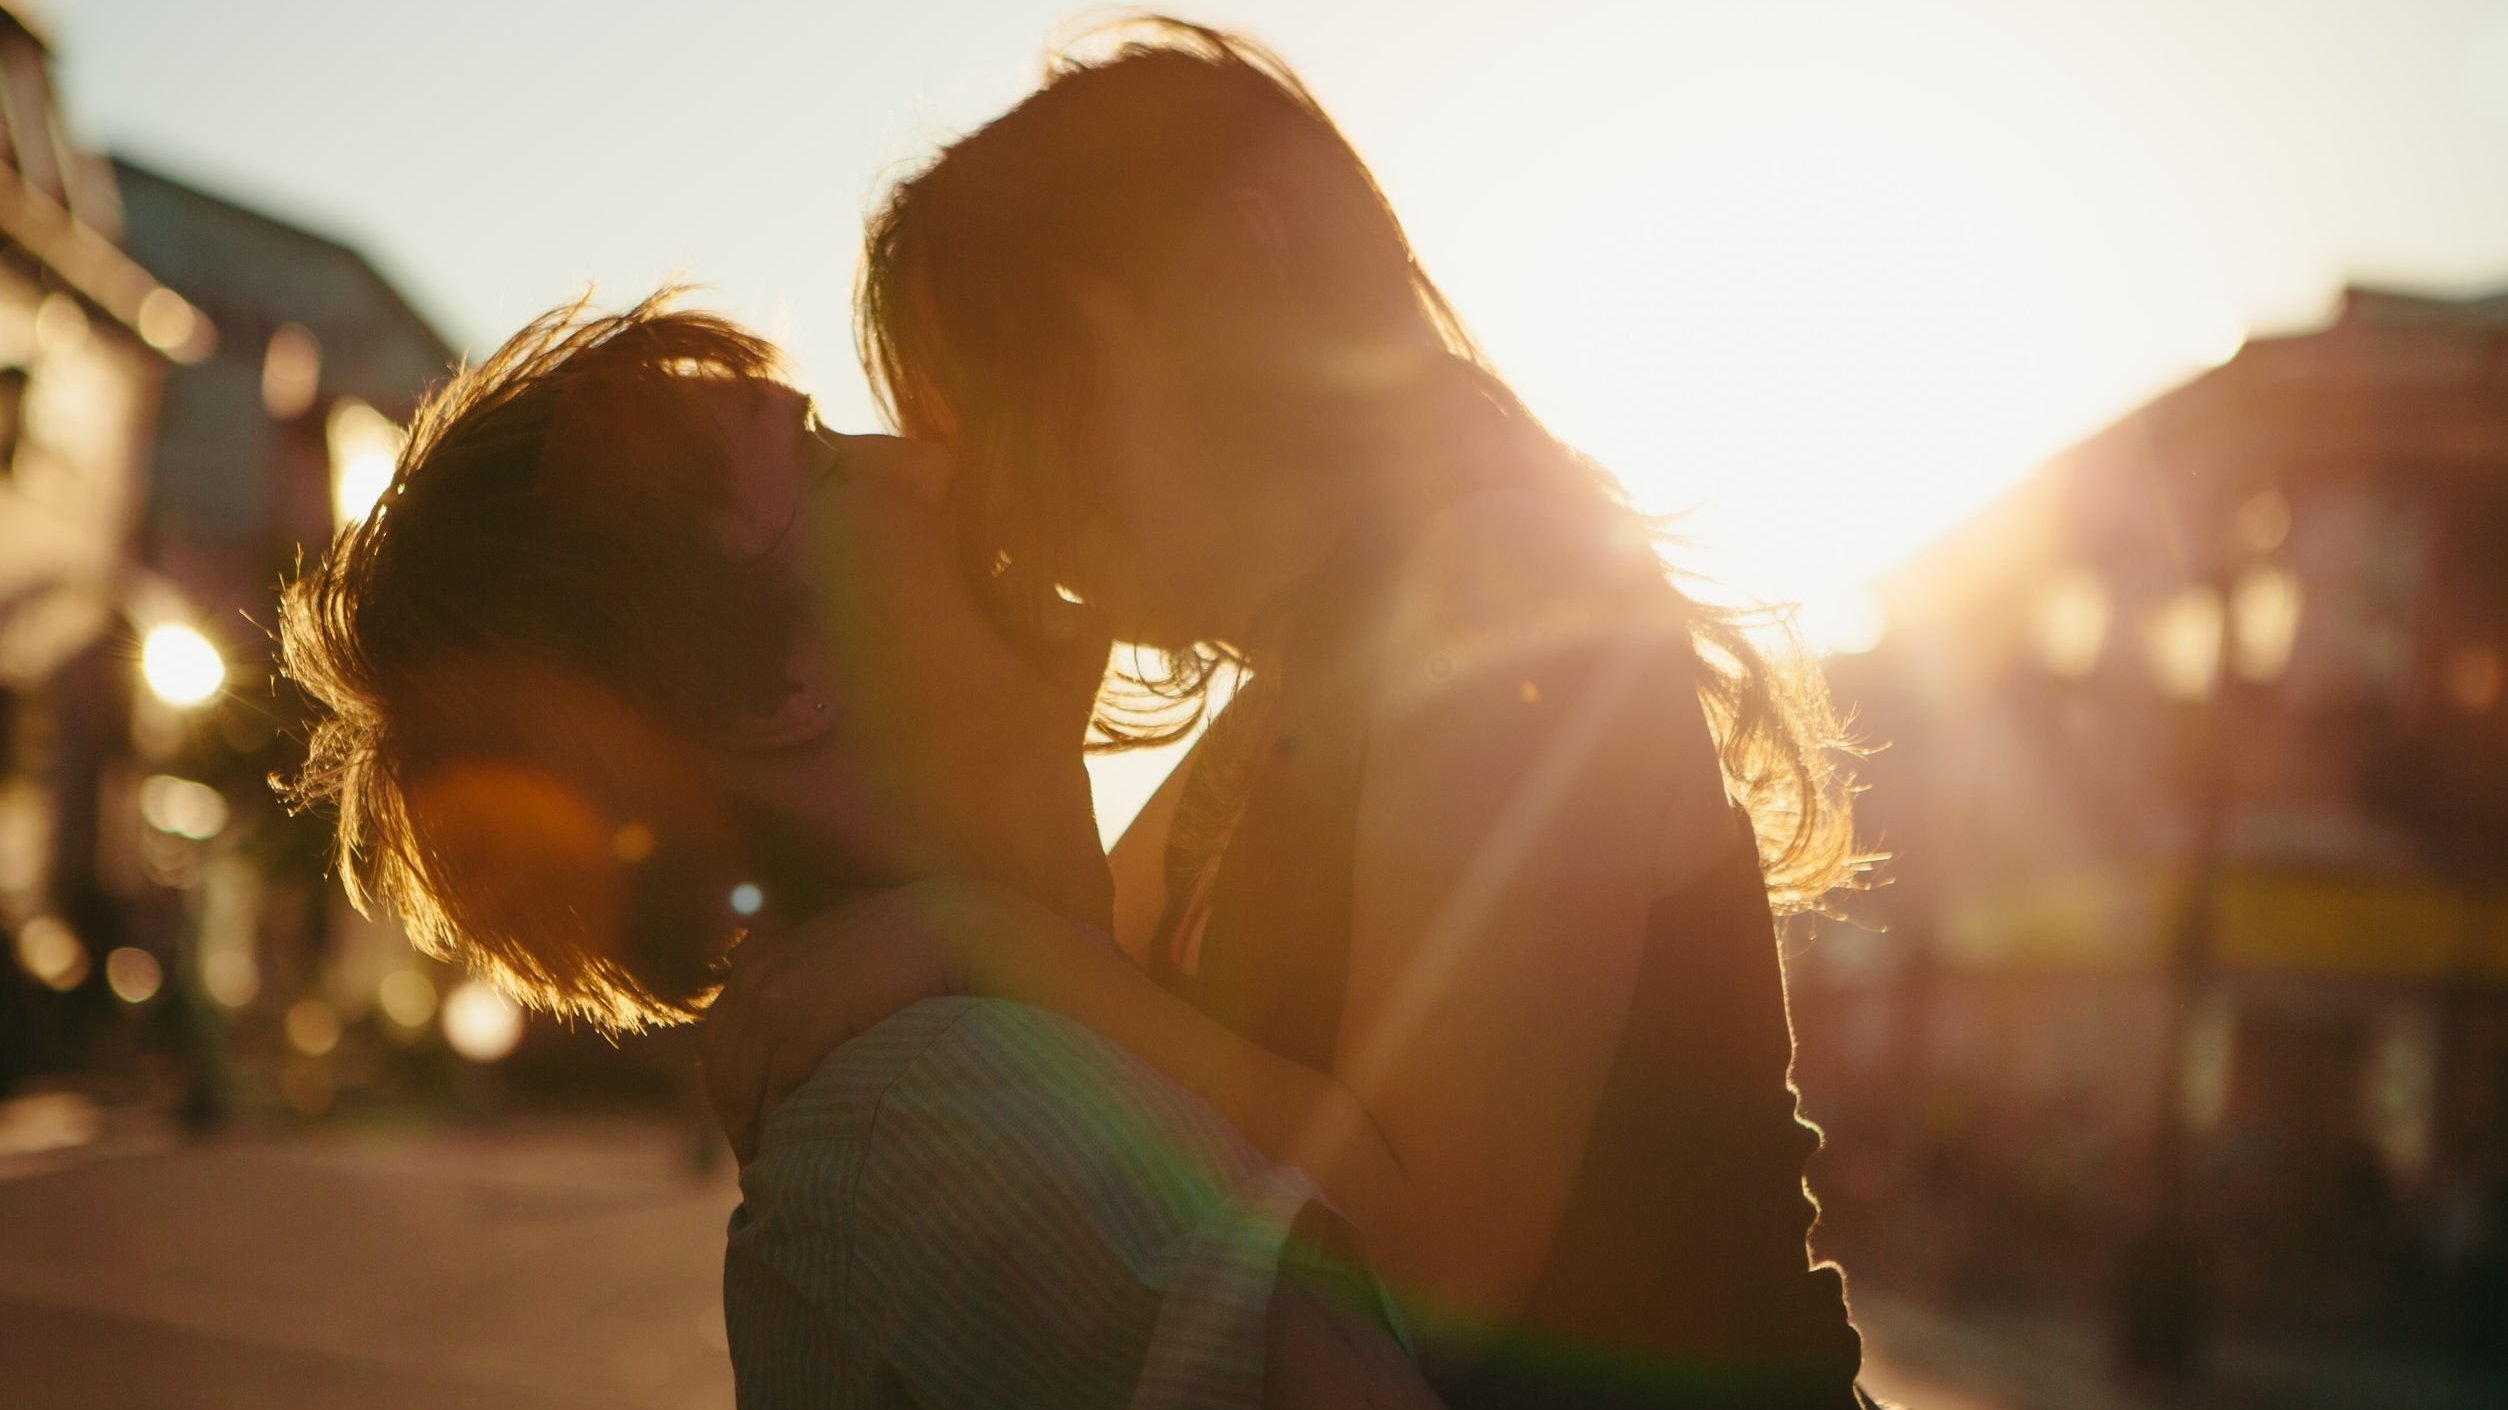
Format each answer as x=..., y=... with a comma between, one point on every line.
x=559, y=1263
x=547, y=1264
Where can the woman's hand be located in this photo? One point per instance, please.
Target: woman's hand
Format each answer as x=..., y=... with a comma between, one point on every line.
x=799, y=994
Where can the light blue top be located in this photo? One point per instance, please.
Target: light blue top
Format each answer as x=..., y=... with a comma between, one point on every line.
x=982, y=1204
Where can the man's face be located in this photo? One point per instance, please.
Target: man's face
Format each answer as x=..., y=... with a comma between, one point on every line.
x=915, y=741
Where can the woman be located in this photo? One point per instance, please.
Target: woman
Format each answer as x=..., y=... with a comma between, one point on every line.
x=1459, y=903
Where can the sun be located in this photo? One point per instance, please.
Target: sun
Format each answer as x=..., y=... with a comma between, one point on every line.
x=1829, y=301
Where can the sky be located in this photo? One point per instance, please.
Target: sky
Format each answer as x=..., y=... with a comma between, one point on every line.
x=1824, y=274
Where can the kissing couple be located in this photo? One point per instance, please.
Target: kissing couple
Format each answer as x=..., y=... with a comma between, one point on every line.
x=1424, y=1039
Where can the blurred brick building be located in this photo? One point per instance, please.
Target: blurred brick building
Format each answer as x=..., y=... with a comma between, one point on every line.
x=2210, y=707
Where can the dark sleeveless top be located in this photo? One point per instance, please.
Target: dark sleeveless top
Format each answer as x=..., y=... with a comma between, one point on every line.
x=1679, y=1275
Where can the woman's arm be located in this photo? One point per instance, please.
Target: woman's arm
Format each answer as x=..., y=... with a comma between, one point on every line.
x=1525, y=802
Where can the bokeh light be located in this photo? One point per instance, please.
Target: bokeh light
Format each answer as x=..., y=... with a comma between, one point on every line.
x=49, y=950
x=230, y=975
x=182, y=807
x=406, y=998
x=291, y=372
x=181, y=666
x=313, y=1027
x=2184, y=641
x=2071, y=622
x=2264, y=622
x=169, y=324
x=133, y=975
x=481, y=1023
x=364, y=445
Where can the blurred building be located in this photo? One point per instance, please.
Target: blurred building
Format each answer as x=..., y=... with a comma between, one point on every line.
x=287, y=430
x=193, y=395
x=2208, y=710
x=85, y=336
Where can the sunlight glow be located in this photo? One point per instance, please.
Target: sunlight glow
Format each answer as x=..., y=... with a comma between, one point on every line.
x=1842, y=310
x=1846, y=625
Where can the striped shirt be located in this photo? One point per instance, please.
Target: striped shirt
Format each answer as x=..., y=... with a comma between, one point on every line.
x=979, y=1203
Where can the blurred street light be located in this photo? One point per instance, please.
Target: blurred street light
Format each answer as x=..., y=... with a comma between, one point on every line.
x=180, y=665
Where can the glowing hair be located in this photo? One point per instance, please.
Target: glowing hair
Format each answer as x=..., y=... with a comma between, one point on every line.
x=1123, y=167
x=508, y=658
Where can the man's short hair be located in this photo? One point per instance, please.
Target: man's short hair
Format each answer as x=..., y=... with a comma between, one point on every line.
x=513, y=656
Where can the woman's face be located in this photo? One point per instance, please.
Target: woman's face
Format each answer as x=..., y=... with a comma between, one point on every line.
x=1186, y=532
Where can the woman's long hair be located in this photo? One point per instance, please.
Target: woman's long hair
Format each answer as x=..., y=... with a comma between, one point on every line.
x=1192, y=168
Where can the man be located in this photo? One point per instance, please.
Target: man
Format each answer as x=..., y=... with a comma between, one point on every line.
x=635, y=659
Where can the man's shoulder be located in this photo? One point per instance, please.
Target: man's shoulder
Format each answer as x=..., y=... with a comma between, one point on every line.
x=950, y=1087
x=961, y=1053
x=842, y=1096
